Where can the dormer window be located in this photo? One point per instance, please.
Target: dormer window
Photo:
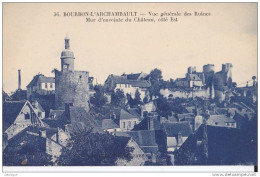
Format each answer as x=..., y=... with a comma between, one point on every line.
x=46, y=85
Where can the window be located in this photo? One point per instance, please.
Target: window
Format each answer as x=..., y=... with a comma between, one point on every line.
x=129, y=124
x=123, y=124
x=65, y=67
x=27, y=116
x=51, y=85
x=39, y=114
x=227, y=124
x=46, y=85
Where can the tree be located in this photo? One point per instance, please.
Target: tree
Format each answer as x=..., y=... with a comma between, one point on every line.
x=130, y=100
x=146, y=99
x=118, y=98
x=93, y=149
x=163, y=106
x=137, y=99
x=156, y=82
x=5, y=96
x=234, y=84
x=99, y=99
x=27, y=155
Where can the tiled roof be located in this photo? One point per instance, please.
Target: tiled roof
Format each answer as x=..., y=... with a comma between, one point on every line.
x=136, y=76
x=58, y=113
x=135, y=111
x=185, y=116
x=172, y=129
x=109, y=124
x=145, y=139
x=121, y=143
x=126, y=115
x=41, y=79
x=225, y=146
x=78, y=116
x=219, y=120
x=133, y=76
x=143, y=125
x=11, y=109
x=140, y=83
x=134, y=83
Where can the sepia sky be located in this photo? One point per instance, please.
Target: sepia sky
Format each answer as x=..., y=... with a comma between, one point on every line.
x=33, y=40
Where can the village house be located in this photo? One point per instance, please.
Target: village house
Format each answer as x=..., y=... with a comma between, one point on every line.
x=192, y=80
x=221, y=120
x=175, y=134
x=138, y=156
x=110, y=126
x=137, y=76
x=146, y=140
x=150, y=122
x=128, y=86
x=42, y=85
x=18, y=115
x=215, y=145
x=126, y=118
x=38, y=109
x=76, y=119
x=48, y=140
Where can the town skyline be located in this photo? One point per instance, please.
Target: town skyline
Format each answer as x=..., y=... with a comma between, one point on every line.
x=104, y=49
x=138, y=116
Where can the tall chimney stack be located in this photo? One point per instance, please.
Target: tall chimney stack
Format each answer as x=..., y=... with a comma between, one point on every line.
x=19, y=79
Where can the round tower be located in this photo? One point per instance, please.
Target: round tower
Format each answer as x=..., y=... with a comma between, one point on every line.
x=227, y=73
x=71, y=87
x=67, y=57
x=208, y=71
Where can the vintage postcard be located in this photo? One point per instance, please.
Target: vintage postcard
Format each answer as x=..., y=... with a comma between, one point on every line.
x=129, y=87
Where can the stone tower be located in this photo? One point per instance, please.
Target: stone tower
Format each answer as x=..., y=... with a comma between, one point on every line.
x=70, y=86
x=67, y=57
x=209, y=72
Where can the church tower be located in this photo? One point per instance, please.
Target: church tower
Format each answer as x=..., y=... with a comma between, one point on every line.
x=67, y=57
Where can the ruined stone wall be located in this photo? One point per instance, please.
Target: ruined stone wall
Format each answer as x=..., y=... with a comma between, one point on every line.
x=71, y=87
x=203, y=93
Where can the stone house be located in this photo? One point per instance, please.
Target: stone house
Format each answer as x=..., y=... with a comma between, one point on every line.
x=145, y=139
x=48, y=140
x=38, y=109
x=127, y=121
x=18, y=115
x=221, y=120
x=215, y=145
x=175, y=135
x=138, y=156
x=128, y=86
x=110, y=126
x=42, y=85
